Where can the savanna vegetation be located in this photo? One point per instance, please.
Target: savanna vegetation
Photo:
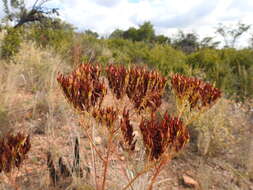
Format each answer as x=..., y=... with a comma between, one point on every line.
x=135, y=110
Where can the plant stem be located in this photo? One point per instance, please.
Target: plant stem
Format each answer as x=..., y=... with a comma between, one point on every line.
x=158, y=170
x=106, y=162
x=93, y=145
x=136, y=177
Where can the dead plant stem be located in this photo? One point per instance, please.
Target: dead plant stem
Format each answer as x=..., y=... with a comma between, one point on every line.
x=106, y=162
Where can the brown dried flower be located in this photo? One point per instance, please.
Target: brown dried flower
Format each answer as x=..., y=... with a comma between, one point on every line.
x=144, y=88
x=82, y=87
x=127, y=131
x=105, y=115
x=166, y=136
x=13, y=150
x=198, y=93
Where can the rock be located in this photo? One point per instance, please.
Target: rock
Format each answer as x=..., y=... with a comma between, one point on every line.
x=98, y=140
x=190, y=182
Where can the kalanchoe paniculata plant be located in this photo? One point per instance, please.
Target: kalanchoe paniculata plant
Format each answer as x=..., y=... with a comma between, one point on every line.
x=127, y=131
x=197, y=93
x=144, y=88
x=117, y=78
x=166, y=136
x=106, y=115
x=13, y=150
x=162, y=137
x=83, y=87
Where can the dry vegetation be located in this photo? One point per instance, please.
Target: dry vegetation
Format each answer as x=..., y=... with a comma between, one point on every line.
x=218, y=155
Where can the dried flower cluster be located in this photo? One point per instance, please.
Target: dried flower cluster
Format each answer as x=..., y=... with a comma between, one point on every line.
x=82, y=87
x=198, y=93
x=144, y=88
x=13, y=150
x=168, y=135
x=106, y=115
x=127, y=131
x=117, y=77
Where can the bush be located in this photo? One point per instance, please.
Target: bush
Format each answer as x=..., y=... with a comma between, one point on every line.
x=230, y=69
x=215, y=135
x=54, y=33
x=11, y=42
x=35, y=68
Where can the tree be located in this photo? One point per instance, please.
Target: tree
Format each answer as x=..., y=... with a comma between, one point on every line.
x=208, y=42
x=117, y=34
x=91, y=33
x=131, y=34
x=17, y=12
x=146, y=32
x=231, y=34
x=188, y=43
x=161, y=39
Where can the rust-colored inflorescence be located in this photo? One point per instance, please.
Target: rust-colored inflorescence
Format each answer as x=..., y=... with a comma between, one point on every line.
x=13, y=150
x=144, y=88
x=166, y=136
x=117, y=78
x=198, y=93
x=127, y=131
x=82, y=87
x=106, y=115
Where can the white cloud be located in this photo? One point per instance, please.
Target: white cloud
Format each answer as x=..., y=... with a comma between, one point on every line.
x=1, y=9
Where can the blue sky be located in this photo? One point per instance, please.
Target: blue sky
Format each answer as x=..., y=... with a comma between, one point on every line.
x=167, y=16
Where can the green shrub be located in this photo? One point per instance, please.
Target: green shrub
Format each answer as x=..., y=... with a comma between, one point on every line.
x=11, y=42
x=167, y=60
x=55, y=34
x=230, y=69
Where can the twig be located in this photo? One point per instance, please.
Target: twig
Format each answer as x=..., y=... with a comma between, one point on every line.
x=136, y=177
x=107, y=160
x=94, y=162
x=158, y=170
x=94, y=146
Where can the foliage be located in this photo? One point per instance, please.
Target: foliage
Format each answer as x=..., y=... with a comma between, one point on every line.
x=117, y=34
x=91, y=33
x=11, y=42
x=188, y=42
x=230, y=69
x=53, y=33
x=208, y=42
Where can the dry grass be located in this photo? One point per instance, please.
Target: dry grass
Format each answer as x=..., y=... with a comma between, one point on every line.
x=215, y=133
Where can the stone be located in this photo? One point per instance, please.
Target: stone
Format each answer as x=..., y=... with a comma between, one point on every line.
x=190, y=182
x=98, y=140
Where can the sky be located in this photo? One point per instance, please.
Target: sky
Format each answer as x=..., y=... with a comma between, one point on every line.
x=167, y=16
